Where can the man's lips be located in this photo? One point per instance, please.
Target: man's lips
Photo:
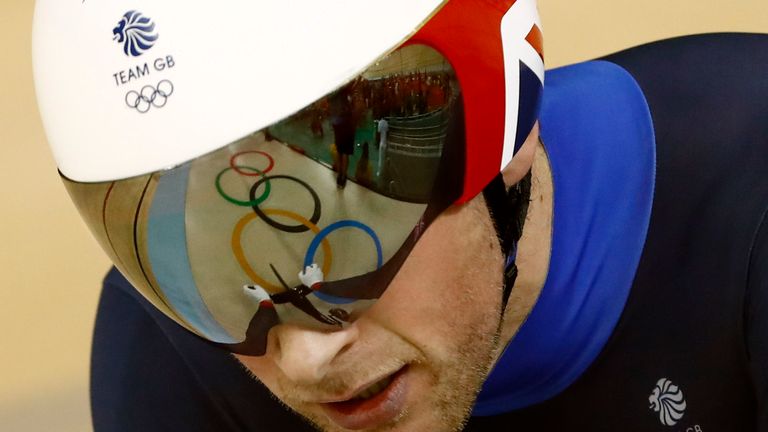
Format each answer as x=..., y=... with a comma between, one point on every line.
x=351, y=394
x=356, y=413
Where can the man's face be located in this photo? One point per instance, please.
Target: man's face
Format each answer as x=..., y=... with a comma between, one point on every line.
x=415, y=360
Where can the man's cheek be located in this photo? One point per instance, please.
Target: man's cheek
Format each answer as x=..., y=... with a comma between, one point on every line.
x=260, y=369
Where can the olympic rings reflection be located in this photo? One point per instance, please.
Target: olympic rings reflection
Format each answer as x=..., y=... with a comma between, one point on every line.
x=233, y=163
x=253, y=201
x=304, y=224
x=321, y=237
x=277, y=225
x=237, y=246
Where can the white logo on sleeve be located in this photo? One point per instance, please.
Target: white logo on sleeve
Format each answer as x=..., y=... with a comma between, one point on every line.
x=667, y=400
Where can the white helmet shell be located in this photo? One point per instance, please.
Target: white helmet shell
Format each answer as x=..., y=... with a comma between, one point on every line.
x=130, y=88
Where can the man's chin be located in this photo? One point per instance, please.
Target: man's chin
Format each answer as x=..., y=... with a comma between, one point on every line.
x=407, y=422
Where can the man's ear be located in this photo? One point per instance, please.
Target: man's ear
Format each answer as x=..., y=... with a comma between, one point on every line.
x=522, y=161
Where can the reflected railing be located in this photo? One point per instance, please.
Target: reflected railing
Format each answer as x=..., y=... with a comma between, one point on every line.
x=412, y=154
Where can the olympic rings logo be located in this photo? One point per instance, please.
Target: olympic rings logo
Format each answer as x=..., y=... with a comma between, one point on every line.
x=149, y=96
x=304, y=224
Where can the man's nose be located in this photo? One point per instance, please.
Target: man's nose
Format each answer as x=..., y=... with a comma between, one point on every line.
x=306, y=355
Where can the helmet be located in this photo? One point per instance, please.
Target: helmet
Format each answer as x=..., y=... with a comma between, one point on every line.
x=208, y=151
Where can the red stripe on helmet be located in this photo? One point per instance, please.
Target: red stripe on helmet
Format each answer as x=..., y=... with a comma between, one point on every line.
x=468, y=34
x=536, y=39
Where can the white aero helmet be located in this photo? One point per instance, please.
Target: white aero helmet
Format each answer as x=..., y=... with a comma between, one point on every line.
x=208, y=147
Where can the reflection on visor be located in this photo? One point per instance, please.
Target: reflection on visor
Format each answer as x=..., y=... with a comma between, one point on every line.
x=306, y=221
x=387, y=127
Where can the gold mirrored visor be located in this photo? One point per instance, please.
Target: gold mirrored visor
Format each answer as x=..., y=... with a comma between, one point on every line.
x=305, y=221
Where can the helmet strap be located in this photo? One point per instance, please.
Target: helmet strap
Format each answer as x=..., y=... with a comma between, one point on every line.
x=508, y=209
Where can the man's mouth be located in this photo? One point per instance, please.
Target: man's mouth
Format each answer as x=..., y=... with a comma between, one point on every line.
x=376, y=405
x=374, y=389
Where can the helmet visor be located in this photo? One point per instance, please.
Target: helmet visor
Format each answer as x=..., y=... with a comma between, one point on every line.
x=305, y=221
